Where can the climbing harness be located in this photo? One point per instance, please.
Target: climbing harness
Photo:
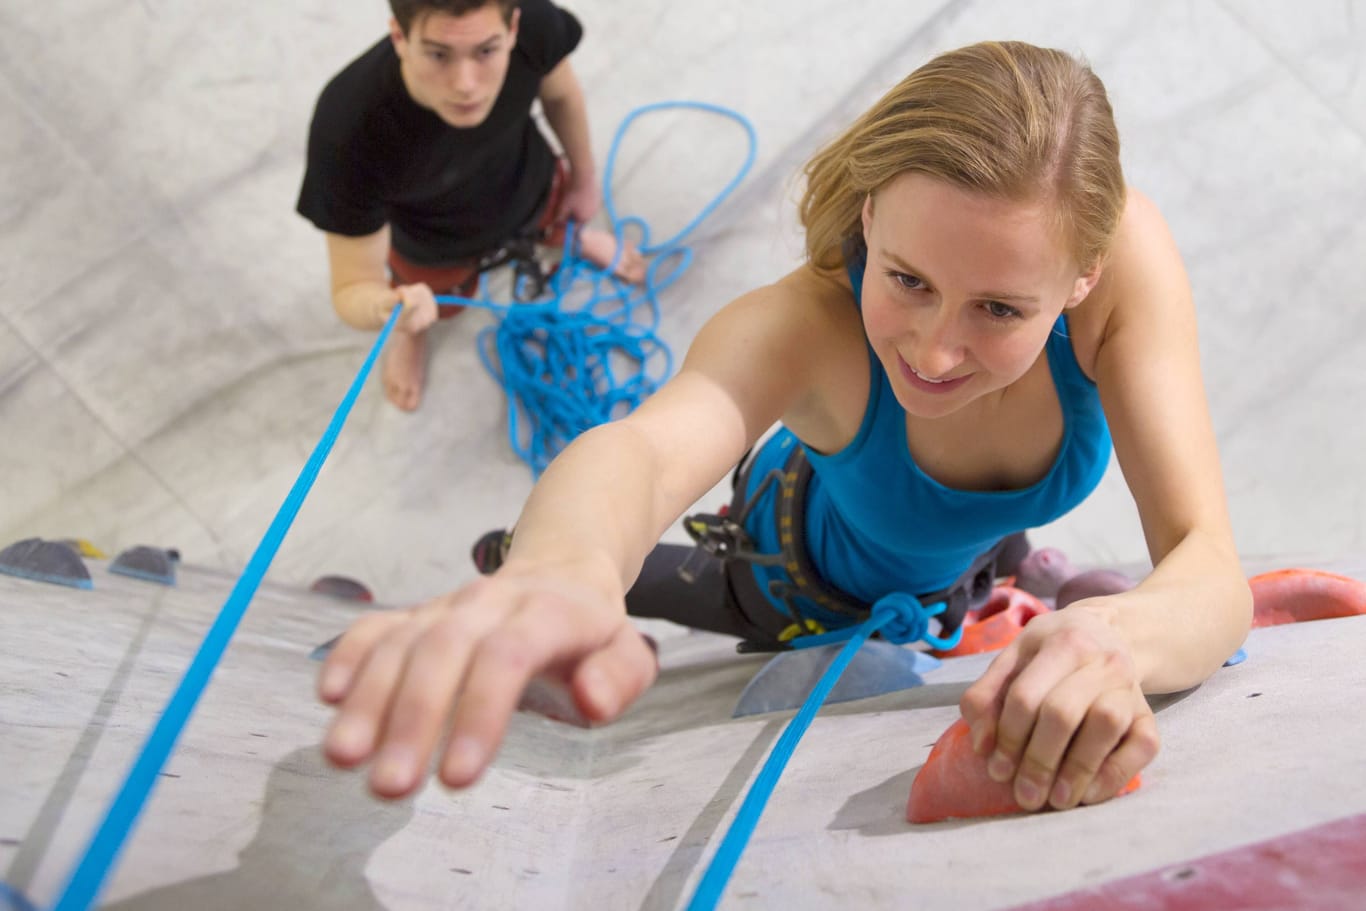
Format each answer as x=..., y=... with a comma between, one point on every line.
x=722, y=536
x=577, y=346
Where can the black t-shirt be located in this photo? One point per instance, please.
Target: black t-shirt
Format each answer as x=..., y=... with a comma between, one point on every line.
x=376, y=157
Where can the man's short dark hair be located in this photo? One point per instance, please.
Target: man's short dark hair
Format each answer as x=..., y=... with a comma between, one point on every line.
x=407, y=12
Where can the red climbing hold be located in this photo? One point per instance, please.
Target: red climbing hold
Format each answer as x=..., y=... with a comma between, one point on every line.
x=954, y=784
x=342, y=587
x=996, y=624
x=1296, y=595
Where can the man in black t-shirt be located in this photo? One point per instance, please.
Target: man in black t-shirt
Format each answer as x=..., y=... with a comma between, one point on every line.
x=423, y=158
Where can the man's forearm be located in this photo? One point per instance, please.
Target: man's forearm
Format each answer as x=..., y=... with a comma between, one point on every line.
x=568, y=118
x=362, y=305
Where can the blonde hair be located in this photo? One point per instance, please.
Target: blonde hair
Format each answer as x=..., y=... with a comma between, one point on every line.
x=1006, y=118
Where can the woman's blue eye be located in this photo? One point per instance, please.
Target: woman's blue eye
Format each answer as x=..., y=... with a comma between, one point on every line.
x=909, y=282
x=998, y=310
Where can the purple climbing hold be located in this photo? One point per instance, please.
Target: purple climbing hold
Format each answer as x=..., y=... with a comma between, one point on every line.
x=45, y=561
x=1094, y=583
x=1043, y=571
x=150, y=564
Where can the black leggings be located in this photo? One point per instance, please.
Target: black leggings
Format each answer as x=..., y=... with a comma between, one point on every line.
x=709, y=602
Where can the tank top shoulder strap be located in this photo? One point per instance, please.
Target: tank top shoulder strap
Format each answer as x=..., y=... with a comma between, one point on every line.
x=1062, y=360
x=855, y=261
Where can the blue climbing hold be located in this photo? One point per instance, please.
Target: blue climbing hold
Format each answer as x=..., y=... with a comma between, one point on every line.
x=150, y=564
x=12, y=899
x=45, y=561
x=321, y=652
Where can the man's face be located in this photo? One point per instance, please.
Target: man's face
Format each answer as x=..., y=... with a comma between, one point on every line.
x=455, y=65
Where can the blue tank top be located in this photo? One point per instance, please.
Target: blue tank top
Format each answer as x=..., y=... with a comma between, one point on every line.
x=876, y=523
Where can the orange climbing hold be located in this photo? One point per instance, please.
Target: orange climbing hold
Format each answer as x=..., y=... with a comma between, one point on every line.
x=1296, y=595
x=954, y=784
x=996, y=624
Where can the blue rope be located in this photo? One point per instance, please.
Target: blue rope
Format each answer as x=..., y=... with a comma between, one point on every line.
x=901, y=619
x=590, y=351
x=100, y=856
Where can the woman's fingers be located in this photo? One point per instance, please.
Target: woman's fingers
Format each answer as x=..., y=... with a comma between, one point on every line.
x=461, y=663
x=355, y=731
x=419, y=710
x=1072, y=722
x=339, y=669
x=983, y=702
x=544, y=632
x=611, y=678
x=1023, y=697
x=1110, y=718
x=1135, y=751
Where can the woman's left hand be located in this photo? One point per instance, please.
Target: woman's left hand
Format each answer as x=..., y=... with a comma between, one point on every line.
x=1061, y=711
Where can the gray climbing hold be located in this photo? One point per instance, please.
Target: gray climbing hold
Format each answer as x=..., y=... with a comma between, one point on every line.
x=150, y=564
x=878, y=667
x=45, y=561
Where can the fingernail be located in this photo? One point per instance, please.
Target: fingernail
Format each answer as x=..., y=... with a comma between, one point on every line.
x=464, y=758
x=350, y=736
x=394, y=770
x=1093, y=793
x=1027, y=794
x=979, y=736
x=1062, y=793
x=1000, y=768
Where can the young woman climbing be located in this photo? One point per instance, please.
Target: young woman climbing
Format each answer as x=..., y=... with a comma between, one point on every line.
x=985, y=306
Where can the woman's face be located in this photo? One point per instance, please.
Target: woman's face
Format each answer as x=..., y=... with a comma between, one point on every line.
x=961, y=290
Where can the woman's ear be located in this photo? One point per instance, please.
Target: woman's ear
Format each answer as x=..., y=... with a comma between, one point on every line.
x=1083, y=285
x=867, y=217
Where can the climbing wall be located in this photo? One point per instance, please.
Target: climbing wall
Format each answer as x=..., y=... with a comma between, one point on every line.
x=247, y=815
x=168, y=357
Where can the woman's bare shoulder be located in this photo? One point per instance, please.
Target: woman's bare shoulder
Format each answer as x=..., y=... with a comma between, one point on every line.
x=1143, y=270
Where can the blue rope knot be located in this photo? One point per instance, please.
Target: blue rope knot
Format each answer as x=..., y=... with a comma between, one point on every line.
x=902, y=619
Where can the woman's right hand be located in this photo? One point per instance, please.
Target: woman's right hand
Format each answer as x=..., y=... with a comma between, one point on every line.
x=396, y=676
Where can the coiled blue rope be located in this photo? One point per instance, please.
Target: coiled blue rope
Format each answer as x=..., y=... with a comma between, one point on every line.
x=590, y=351
x=901, y=619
